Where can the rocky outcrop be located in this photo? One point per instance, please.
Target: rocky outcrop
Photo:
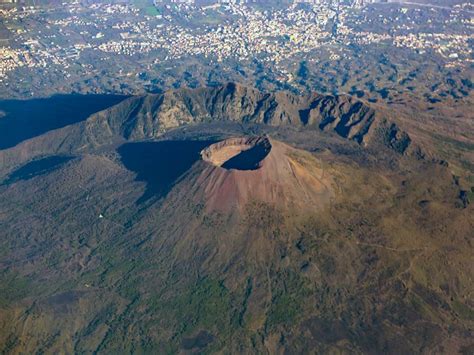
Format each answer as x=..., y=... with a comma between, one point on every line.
x=151, y=115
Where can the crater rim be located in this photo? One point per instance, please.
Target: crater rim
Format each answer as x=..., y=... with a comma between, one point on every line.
x=240, y=153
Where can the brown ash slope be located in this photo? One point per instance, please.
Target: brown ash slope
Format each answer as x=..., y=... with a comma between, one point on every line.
x=371, y=271
x=230, y=240
x=383, y=266
x=240, y=170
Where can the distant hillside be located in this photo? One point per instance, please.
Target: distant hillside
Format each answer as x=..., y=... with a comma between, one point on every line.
x=151, y=115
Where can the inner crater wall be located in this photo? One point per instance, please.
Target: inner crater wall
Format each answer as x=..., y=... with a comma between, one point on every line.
x=238, y=153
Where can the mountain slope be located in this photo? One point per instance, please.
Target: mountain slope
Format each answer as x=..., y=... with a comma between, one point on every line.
x=151, y=115
x=284, y=176
x=260, y=252
x=229, y=220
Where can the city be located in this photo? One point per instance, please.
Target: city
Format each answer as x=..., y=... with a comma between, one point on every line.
x=69, y=40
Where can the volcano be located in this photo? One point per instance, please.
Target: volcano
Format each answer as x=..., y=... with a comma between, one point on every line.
x=238, y=170
x=229, y=220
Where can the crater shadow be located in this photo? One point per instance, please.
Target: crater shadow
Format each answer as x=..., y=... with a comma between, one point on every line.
x=248, y=159
x=37, y=167
x=160, y=164
x=24, y=119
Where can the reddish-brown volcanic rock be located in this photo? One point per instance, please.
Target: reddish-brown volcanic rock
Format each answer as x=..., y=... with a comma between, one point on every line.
x=284, y=177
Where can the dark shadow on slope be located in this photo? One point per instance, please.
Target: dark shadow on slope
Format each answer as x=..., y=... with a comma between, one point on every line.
x=37, y=167
x=160, y=164
x=248, y=159
x=24, y=119
x=200, y=341
x=304, y=114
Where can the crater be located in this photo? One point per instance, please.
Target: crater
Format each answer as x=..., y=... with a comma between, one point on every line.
x=238, y=153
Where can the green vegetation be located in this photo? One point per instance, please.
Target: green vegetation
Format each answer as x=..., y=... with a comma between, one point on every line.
x=455, y=143
x=13, y=287
x=147, y=7
x=284, y=310
x=290, y=295
x=205, y=306
x=464, y=311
